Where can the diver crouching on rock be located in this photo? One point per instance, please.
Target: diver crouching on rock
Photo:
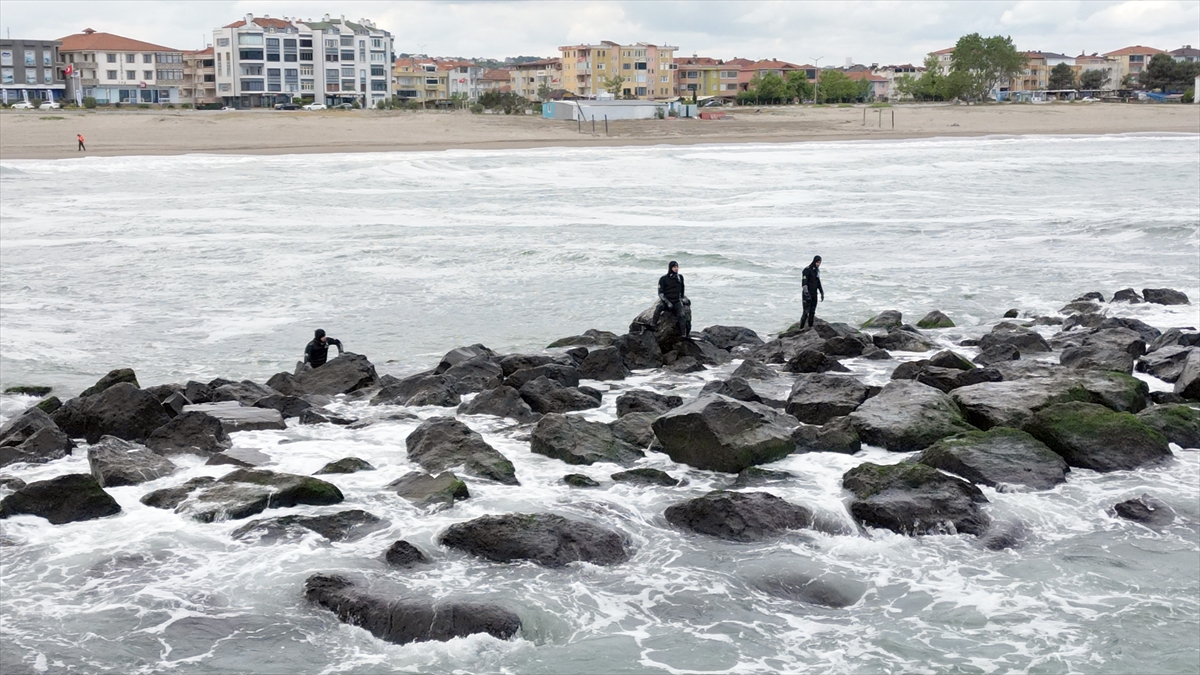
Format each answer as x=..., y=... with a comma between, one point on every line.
x=316, y=353
x=672, y=298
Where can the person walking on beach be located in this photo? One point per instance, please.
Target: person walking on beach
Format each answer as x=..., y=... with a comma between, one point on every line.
x=81, y=146
x=810, y=280
x=317, y=351
x=671, y=297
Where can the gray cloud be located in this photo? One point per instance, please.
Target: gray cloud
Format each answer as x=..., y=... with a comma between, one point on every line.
x=883, y=32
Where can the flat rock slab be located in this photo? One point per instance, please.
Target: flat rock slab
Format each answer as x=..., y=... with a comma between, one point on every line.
x=739, y=516
x=1090, y=436
x=236, y=417
x=64, y=499
x=1001, y=457
x=907, y=416
x=544, y=538
x=423, y=489
x=718, y=433
x=406, y=620
x=342, y=526
x=914, y=499
x=246, y=492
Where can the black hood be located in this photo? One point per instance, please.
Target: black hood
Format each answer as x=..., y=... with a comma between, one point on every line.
x=816, y=259
x=670, y=265
x=320, y=333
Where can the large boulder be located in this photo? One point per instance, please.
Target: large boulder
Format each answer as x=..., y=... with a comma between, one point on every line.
x=503, y=401
x=787, y=346
x=1127, y=295
x=635, y=429
x=236, y=417
x=1090, y=436
x=348, y=525
x=590, y=338
x=813, y=361
x=288, y=406
x=817, y=398
x=63, y=499
x=735, y=388
x=423, y=489
x=1011, y=403
x=949, y=379
x=739, y=516
x=34, y=438
x=838, y=435
x=907, y=416
x=567, y=376
x=191, y=432
x=443, y=443
x=753, y=369
x=513, y=362
x=345, y=465
x=404, y=620
x=645, y=401
x=475, y=374
x=121, y=410
x=731, y=337
x=1188, y=384
x=1000, y=457
x=418, y=390
x=575, y=440
x=404, y=555
x=639, y=350
x=718, y=433
x=242, y=493
x=113, y=377
x=1179, y=423
x=547, y=539
x=1165, y=296
x=1181, y=337
x=462, y=354
x=246, y=392
x=645, y=476
x=1025, y=341
x=1145, y=510
x=1166, y=364
x=115, y=462
x=547, y=396
x=604, y=363
x=914, y=499
x=935, y=319
x=665, y=330
x=889, y=318
x=903, y=339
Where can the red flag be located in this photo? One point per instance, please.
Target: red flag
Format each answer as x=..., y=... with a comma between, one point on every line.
x=70, y=69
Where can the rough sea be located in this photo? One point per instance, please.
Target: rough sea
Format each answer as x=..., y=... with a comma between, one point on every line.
x=194, y=267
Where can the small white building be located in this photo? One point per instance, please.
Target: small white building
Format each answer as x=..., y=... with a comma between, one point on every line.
x=587, y=109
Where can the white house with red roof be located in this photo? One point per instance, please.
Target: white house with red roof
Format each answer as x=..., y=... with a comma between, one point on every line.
x=116, y=69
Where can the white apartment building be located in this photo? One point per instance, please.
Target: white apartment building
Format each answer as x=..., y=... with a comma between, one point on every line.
x=115, y=69
x=463, y=79
x=261, y=61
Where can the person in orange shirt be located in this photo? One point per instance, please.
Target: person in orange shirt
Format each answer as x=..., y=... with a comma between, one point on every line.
x=81, y=146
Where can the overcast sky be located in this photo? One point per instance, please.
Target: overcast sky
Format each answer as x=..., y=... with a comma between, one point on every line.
x=868, y=32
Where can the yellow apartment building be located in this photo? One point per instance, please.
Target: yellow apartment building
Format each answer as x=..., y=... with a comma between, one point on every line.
x=420, y=80
x=647, y=71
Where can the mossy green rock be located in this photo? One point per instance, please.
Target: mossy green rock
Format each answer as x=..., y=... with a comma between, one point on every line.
x=425, y=489
x=1180, y=423
x=64, y=499
x=913, y=499
x=1091, y=436
x=935, y=319
x=28, y=390
x=246, y=492
x=49, y=404
x=1000, y=457
x=579, y=480
x=113, y=377
x=345, y=465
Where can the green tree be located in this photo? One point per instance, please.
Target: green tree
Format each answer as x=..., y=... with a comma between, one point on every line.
x=769, y=88
x=613, y=84
x=1090, y=80
x=544, y=91
x=1167, y=74
x=836, y=86
x=956, y=84
x=798, y=86
x=1061, y=77
x=987, y=62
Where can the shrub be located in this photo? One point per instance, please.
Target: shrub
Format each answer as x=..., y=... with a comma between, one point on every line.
x=1189, y=96
x=89, y=102
x=144, y=106
x=117, y=105
x=477, y=108
x=185, y=106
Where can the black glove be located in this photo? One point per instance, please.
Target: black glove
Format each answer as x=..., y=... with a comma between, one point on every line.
x=687, y=302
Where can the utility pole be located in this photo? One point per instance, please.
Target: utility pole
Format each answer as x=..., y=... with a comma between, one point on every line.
x=817, y=82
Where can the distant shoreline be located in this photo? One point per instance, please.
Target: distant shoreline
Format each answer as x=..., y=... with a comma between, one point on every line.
x=51, y=134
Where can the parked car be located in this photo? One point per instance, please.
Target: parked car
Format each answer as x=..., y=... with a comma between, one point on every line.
x=286, y=106
x=315, y=106
x=22, y=105
x=345, y=106
x=49, y=105
x=228, y=109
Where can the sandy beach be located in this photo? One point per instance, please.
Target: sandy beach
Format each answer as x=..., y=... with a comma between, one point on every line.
x=39, y=134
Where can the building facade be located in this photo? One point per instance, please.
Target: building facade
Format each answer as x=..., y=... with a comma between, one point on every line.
x=1131, y=61
x=1185, y=53
x=497, y=80
x=31, y=70
x=462, y=78
x=116, y=69
x=261, y=61
x=533, y=79
x=646, y=71
x=419, y=80
x=199, y=77
x=701, y=76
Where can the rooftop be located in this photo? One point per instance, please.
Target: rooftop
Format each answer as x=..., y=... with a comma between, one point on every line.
x=91, y=40
x=1134, y=50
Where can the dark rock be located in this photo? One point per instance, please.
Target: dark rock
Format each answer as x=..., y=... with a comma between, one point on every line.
x=402, y=621
x=914, y=499
x=935, y=319
x=1126, y=295
x=237, y=417
x=567, y=376
x=645, y=476
x=1095, y=357
x=756, y=477
x=1080, y=307
x=752, y=369
x=191, y=432
x=800, y=587
x=1146, y=510
x=198, y=392
x=285, y=384
x=1180, y=424
x=423, y=489
x=113, y=377
x=1183, y=337
x=686, y=365
x=475, y=374
x=404, y=555
x=421, y=389
x=701, y=350
x=784, y=348
x=242, y=493
x=1090, y=436
x=49, y=405
x=635, y=429
x=312, y=416
x=816, y=398
x=604, y=363
x=909, y=370
x=575, y=440
x=813, y=361
x=514, y=362
x=121, y=410
x=949, y=379
x=173, y=404
x=1088, y=321
x=115, y=462
x=900, y=339
x=547, y=396
x=1165, y=296
x=877, y=355
x=886, y=319
x=1166, y=364
x=997, y=354
x=907, y=416
x=222, y=459
x=579, y=480
x=838, y=435
x=949, y=359
x=1048, y=321
x=462, y=354
x=1012, y=402
x=1166, y=397
x=1000, y=457
x=547, y=539
x=11, y=483
x=288, y=406
x=32, y=437
x=739, y=516
x=595, y=394
x=63, y=499
x=645, y=401
x=855, y=344
x=1011, y=314
x=341, y=526
x=1091, y=295
x=443, y=443
x=345, y=465
x=665, y=330
x=639, y=351
x=735, y=388
x=1144, y=330
x=169, y=498
x=590, y=338
x=1004, y=536
x=1023, y=340
x=720, y=434
x=29, y=390
x=1188, y=384
x=245, y=392
x=503, y=401
x=730, y=337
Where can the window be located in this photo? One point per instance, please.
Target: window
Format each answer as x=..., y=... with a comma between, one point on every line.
x=378, y=71
x=306, y=70
x=348, y=85
x=306, y=85
x=46, y=59
x=378, y=85
x=112, y=58
x=110, y=74
x=599, y=66
x=250, y=54
x=273, y=56
x=376, y=43
x=348, y=55
x=347, y=71
x=250, y=39
x=131, y=74
x=624, y=66
x=331, y=57
x=306, y=42
x=252, y=85
x=222, y=42
x=664, y=78
x=29, y=61
x=641, y=65
x=30, y=76
x=347, y=40
x=6, y=76
x=224, y=86
x=147, y=58
x=331, y=45
x=431, y=80
x=6, y=57
x=147, y=74
x=690, y=74
x=130, y=58
x=272, y=43
x=641, y=91
x=331, y=85
x=306, y=55
x=272, y=72
x=252, y=69
x=331, y=75
x=729, y=74
x=407, y=93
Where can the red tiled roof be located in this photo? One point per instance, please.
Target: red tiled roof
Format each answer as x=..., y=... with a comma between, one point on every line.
x=948, y=50
x=864, y=75
x=1136, y=49
x=199, y=52
x=93, y=41
x=496, y=74
x=768, y=64
x=537, y=64
x=698, y=61
x=740, y=63
x=262, y=21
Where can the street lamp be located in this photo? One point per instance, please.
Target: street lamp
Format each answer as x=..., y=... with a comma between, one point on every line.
x=817, y=81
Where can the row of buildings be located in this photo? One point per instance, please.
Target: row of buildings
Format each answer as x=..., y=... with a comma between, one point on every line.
x=260, y=61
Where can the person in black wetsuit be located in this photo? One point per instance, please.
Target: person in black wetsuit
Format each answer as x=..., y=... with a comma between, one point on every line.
x=317, y=351
x=671, y=297
x=810, y=279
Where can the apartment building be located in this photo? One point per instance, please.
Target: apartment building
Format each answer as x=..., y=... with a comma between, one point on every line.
x=495, y=79
x=702, y=76
x=647, y=71
x=116, y=69
x=199, y=77
x=530, y=80
x=31, y=69
x=261, y=61
x=1110, y=67
x=1185, y=53
x=462, y=79
x=891, y=73
x=1131, y=61
x=750, y=69
x=945, y=57
x=419, y=80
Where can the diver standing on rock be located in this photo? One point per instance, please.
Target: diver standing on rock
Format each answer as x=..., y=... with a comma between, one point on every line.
x=810, y=280
x=671, y=297
x=317, y=351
